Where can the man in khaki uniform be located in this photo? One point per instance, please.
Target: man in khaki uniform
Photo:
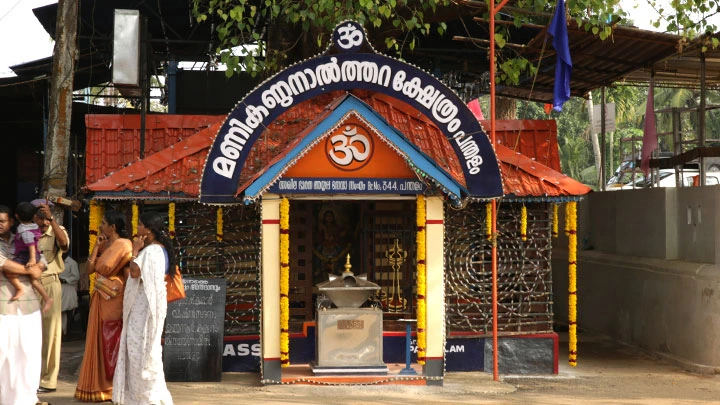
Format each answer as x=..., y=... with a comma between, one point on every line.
x=53, y=243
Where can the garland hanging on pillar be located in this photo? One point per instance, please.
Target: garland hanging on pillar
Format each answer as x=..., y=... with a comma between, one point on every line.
x=219, y=224
x=421, y=280
x=135, y=217
x=171, y=220
x=567, y=219
x=95, y=217
x=488, y=221
x=523, y=223
x=555, y=233
x=284, y=282
x=571, y=221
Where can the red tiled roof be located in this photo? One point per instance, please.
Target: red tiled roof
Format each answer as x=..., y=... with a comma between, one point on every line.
x=113, y=141
x=178, y=168
x=175, y=170
x=247, y=177
x=530, y=159
x=536, y=139
x=526, y=177
x=419, y=130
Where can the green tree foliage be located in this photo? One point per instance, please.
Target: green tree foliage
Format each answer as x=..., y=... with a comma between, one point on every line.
x=247, y=23
x=690, y=18
x=244, y=22
x=259, y=36
x=626, y=140
x=245, y=28
x=576, y=157
x=574, y=140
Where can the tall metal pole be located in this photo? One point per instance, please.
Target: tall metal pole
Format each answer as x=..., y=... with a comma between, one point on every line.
x=144, y=83
x=172, y=86
x=603, y=147
x=493, y=10
x=701, y=117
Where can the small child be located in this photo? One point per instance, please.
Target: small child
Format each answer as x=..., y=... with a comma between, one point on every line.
x=27, y=252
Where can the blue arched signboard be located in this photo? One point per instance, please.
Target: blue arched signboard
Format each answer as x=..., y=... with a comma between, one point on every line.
x=344, y=67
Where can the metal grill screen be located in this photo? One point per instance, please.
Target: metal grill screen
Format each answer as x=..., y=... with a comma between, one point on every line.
x=236, y=258
x=524, y=274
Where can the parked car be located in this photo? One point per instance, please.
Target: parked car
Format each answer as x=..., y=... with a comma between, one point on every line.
x=665, y=178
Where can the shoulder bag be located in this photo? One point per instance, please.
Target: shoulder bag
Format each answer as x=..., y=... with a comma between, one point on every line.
x=175, y=286
x=108, y=287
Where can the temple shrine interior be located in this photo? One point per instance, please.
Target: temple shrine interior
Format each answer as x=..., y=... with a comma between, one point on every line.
x=378, y=239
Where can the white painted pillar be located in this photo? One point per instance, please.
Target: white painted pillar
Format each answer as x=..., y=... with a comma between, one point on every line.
x=435, y=296
x=270, y=288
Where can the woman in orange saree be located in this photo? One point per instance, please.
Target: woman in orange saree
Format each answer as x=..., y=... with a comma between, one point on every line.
x=108, y=260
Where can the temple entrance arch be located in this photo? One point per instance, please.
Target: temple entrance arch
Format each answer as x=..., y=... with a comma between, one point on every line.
x=349, y=63
x=331, y=159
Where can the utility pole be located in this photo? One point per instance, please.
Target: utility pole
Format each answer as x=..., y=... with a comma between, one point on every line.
x=57, y=145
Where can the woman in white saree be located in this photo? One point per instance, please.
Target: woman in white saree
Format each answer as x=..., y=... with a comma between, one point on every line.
x=139, y=377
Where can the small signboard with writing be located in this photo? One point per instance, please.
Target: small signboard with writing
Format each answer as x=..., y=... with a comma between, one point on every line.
x=349, y=186
x=194, y=328
x=609, y=118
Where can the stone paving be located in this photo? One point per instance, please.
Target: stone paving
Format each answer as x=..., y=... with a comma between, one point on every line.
x=607, y=373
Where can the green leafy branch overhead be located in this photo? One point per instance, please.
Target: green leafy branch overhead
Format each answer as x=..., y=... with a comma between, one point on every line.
x=246, y=22
x=263, y=36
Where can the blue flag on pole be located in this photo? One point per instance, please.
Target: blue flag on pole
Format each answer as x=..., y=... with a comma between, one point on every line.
x=563, y=66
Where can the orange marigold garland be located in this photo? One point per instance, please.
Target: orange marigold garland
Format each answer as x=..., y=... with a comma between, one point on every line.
x=284, y=282
x=523, y=223
x=572, y=281
x=555, y=233
x=488, y=221
x=421, y=280
x=95, y=217
x=171, y=220
x=135, y=218
x=567, y=219
x=219, y=224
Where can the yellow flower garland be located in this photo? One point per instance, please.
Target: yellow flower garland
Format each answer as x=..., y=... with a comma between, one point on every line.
x=135, y=217
x=523, y=223
x=555, y=220
x=284, y=282
x=567, y=219
x=572, y=281
x=95, y=217
x=219, y=224
x=421, y=280
x=171, y=220
x=488, y=221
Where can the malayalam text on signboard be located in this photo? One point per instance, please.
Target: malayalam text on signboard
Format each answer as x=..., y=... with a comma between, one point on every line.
x=194, y=329
x=350, y=186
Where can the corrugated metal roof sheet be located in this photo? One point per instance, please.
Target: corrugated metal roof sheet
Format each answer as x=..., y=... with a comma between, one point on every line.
x=178, y=169
x=597, y=63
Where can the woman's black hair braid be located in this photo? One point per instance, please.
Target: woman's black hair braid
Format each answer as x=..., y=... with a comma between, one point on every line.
x=156, y=224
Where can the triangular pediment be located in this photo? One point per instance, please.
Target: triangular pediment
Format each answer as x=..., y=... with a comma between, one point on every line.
x=351, y=150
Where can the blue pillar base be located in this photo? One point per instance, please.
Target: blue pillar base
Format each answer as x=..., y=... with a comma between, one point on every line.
x=408, y=371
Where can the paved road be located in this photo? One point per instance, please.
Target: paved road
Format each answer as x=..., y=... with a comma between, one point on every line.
x=607, y=373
